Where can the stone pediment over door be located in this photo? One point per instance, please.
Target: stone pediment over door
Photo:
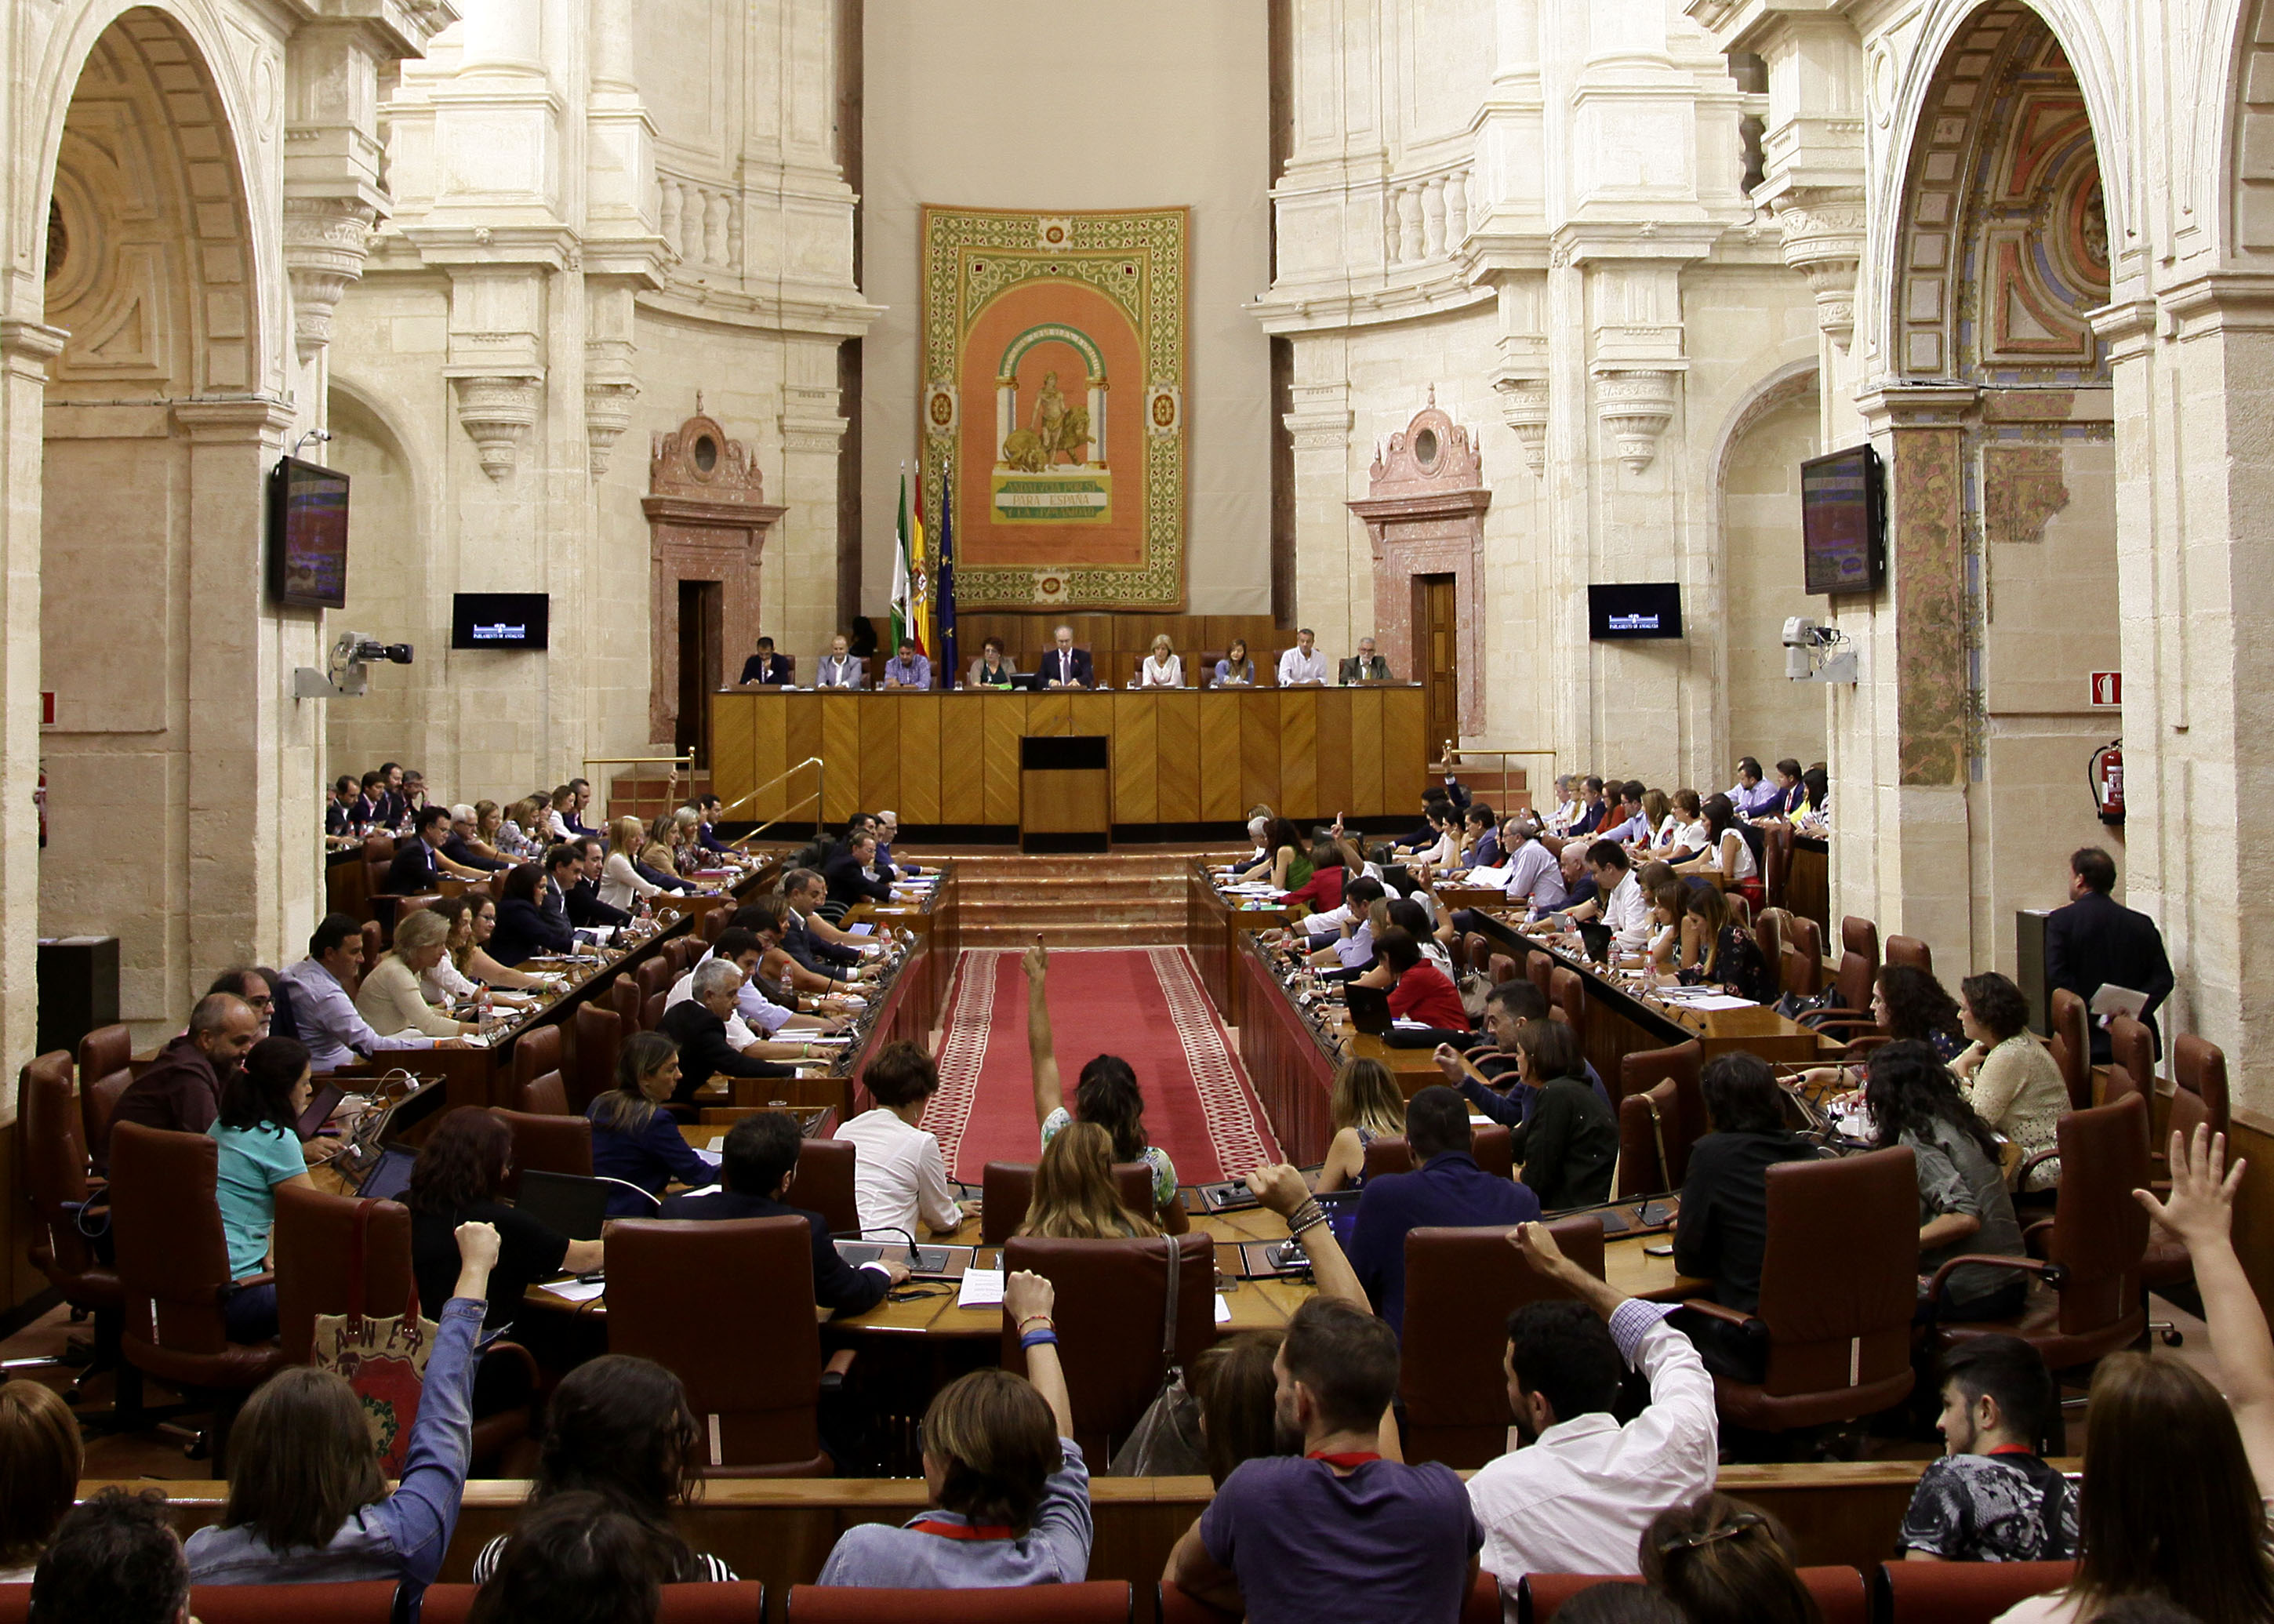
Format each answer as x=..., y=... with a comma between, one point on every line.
x=707, y=519
x=1425, y=515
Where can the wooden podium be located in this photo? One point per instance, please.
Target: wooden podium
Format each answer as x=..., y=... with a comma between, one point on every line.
x=1064, y=794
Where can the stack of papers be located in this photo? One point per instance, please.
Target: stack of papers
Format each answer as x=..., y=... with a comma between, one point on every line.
x=578, y=1291
x=980, y=1289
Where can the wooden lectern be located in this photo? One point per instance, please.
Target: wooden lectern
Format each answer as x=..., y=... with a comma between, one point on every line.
x=1064, y=794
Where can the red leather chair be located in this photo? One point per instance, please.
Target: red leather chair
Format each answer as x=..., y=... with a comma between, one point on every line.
x=1960, y=1592
x=1655, y=1136
x=2199, y=1084
x=550, y=1144
x=1912, y=950
x=1111, y=1307
x=2093, y=1245
x=1540, y=969
x=105, y=1072
x=1566, y=998
x=547, y=1096
x=1859, y=942
x=651, y=1012
x=1097, y=1602
x=652, y=977
x=1681, y=1065
x=537, y=1052
x=1006, y=1190
x=1837, y=1592
x=713, y=926
x=1839, y=1285
x=173, y=1275
x=754, y=1376
x=600, y=1034
x=56, y=1183
x=1776, y=862
x=293, y=1603
x=742, y=1602
x=1461, y=1285
x=1801, y=965
x=1173, y=1606
x=623, y=996
x=1501, y=968
x=315, y=1241
x=1491, y=1146
x=2072, y=1045
x=824, y=1184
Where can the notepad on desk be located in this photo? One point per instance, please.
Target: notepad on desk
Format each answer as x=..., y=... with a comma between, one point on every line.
x=585, y=1290
x=1223, y=1309
x=861, y=930
x=981, y=1288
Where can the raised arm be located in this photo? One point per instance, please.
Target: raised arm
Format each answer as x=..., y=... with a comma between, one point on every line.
x=1042, y=1050
x=1281, y=1188
x=2200, y=1214
x=1027, y=1298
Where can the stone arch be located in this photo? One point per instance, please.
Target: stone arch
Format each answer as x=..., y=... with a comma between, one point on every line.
x=2003, y=239
x=144, y=194
x=2247, y=155
x=391, y=586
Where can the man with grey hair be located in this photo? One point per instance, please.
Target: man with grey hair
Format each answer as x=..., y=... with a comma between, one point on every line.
x=1065, y=665
x=888, y=826
x=1303, y=663
x=181, y=1092
x=699, y=1028
x=1365, y=665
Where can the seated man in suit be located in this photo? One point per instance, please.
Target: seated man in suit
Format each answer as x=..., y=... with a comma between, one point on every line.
x=757, y=1168
x=181, y=1092
x=1065, y=665
x=699, y=1028
x=339, y=812
x=370, y=808
x=2095, y=941
x=586, y=911
x=1364, y=666
x=838, y=668
x=811, y=940
x=458, y=846
x=1446, y=1188
x=847, y=873
x=908, y=668
x=419, y=868
x=766, y=668
x=706, y=808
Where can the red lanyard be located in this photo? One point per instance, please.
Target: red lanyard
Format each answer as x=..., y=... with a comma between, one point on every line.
x=961, y=1530
x=1349, y=1461
x=2012, y=1450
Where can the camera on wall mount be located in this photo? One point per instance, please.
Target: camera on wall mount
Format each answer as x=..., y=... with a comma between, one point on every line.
x=348, y=675
x=1807, y=656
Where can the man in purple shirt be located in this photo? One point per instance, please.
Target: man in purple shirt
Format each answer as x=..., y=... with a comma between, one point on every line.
x=908, y=668
x=1446, y=1189
x=1748, y=796
x=1337, y=1532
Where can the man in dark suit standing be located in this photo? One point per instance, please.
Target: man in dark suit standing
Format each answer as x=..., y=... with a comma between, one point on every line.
x=766, y=668
x=758, y=1168
x=2097, y=941
x=1065, y=665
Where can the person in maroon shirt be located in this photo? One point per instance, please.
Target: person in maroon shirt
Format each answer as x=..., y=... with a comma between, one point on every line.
x=1422, y=992
x=181, y=1092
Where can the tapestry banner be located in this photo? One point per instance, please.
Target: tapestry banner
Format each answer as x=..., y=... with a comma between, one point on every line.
x=1054, y=391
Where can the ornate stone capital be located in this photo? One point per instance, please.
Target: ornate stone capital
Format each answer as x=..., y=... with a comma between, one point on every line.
x=1823, y=230
x=325, y=242
x=496, y=412
x=1523, y=404
x=1634, y=406
x=610, y=388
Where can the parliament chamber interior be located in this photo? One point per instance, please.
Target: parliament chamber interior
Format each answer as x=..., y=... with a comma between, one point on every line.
x=1361, y=843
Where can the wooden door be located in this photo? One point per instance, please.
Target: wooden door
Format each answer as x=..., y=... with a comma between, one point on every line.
x=1437, y=657
x=701, y=673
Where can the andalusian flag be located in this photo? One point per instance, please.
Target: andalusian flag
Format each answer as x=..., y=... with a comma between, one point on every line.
x=918, y=577
x=901, y=621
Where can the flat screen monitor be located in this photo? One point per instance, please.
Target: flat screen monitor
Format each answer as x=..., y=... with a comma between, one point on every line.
x=1843, y=520
x=499, y=621
x=1636, y=612
x=307, y=535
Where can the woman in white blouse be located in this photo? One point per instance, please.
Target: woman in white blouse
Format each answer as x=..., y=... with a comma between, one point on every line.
x=1725, y=853
x=1162, y=668
x=621, y=884
x=389, y=999
x=1684, y=831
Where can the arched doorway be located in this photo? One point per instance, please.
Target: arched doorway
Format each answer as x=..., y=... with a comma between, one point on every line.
x=179, y=780
x=2000, y=432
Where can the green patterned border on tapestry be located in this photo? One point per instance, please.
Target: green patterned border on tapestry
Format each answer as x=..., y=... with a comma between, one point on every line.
x=972, y=256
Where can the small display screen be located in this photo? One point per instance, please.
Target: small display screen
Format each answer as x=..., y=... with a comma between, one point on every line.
x=308, y=536
x=499, y=621
x=1639, y=611
x=1840, y=520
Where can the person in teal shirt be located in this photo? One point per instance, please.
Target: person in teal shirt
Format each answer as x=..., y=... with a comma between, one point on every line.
x=258, y=1135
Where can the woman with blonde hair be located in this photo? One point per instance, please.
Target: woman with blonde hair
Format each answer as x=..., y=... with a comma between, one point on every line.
x=622, y=885
x=391, y=1000
x=450, y=979
x=1075, y=1197
x=1162, y=668
x=1367, y=1105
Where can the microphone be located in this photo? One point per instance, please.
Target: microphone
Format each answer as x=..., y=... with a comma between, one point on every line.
x=628, y=1184
x=914, y=1256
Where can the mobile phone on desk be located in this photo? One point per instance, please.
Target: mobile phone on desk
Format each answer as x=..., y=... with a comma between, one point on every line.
x=1658, y=1249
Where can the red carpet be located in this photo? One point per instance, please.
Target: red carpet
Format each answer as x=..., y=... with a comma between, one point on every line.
x=1145, y=1005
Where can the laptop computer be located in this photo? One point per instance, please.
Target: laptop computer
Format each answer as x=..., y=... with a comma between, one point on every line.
x=326, y=1101
x=389, y=1178
x=1596, y=939
x=574, y=1206
x=1369, y=1008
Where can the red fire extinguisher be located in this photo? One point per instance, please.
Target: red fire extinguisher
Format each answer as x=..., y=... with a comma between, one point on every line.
x=2106, y=774
x=40, y=799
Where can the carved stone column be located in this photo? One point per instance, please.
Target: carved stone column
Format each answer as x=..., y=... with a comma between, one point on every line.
x=324, y=241
x=1823, y=231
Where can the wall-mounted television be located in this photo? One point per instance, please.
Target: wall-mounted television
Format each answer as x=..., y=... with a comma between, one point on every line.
x=307, y=535
x=499, y=619
x=1843, y=520
x=1636, y=612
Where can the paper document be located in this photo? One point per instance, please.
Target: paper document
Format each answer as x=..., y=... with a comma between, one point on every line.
x=1403, y=1025
x=2112, y=1001
x=712, y=1158
x=1715, y=1000
x=585, y=1290
x=981, y=1288
x=1223, y=1309
x=717, y=1147
x=861, y=930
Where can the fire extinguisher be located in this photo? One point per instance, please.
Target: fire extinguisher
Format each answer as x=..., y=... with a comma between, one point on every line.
x=39, y=798
x=2106, y=774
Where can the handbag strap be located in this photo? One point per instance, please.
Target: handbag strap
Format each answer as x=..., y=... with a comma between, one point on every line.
x=1174, y=1372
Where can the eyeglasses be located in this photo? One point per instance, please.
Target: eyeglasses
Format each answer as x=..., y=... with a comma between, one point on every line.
x=261, y=1004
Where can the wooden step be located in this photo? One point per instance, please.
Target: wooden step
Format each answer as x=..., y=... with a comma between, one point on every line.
x=1125, y=935
x=1073, y=911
